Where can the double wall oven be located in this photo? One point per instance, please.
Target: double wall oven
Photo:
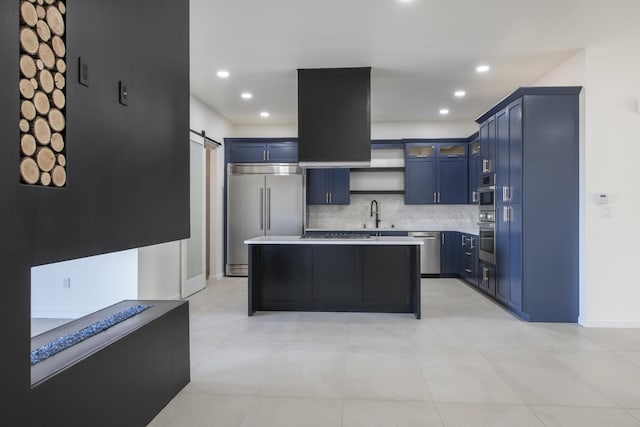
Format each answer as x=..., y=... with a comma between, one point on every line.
x=487, y=224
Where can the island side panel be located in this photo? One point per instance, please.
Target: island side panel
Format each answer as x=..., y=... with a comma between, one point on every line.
x=336, y=277
x=254, y=279
x=387, y=278
x=415, y=281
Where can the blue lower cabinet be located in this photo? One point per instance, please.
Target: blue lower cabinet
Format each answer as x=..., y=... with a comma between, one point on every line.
x=469, y=259
x=487, y=278
x=450, y=253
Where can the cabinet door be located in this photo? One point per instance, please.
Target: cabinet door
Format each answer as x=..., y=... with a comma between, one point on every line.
x=317, y=193
x=502, y=252
x=453, y=181
x=450, y=253
x=338, y=186
x=487, y=278
x=248, y=153
x=502, y=157
x=420, y=181
x=474, y=172
x=515, y=152
x=515, y=291
x=488, y=148
x=282, y=152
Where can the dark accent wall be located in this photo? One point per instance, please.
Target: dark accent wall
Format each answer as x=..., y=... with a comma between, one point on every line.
x=128, y=167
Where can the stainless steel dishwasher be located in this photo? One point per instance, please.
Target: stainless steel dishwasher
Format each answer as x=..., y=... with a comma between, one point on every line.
x=429, y=252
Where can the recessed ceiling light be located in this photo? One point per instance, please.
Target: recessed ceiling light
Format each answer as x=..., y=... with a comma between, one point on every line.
x=223, y=74
x=444, y=111
x=246, y=95
x=405, y=1
x=459, y=93
x=264, y=114
x=482, y=68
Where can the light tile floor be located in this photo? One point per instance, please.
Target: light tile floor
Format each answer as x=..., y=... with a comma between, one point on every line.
x=467, y=362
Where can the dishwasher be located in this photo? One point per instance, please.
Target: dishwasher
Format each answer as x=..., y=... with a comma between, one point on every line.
x=429, y=252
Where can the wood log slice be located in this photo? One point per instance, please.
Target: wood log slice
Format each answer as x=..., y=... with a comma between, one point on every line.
x=41, y=102
x=45, y=179
x=59, y=99
x=58, y=46
x=40, y=2
x=28, y=14
x=47, y=55
x=40, y=11
x=57, y=142
x=49, y=1
x=29, y=170
x=46, y=159
x=27, y=66
x=26, y=90
x=28, y=110
x=56, y=120
x=31, y=1
x=28, y=144
x=55, y=21
x=42, y=131
x=62, y=160
x=59, y=176
x=61, y=66
x=60, y=81
x=29, y=41
x=24, y=125
x=39, y=64
x=34, y=83
x=43, y=31
x=46, y=81
x=62, y=8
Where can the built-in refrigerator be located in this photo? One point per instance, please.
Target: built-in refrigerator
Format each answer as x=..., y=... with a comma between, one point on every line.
x=262, y=200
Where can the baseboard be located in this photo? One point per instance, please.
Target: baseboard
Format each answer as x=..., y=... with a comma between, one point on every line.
x=175, y=297
x=216, y=276
x=609, y=323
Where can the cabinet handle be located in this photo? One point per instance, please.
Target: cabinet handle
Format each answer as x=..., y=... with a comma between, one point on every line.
x=268, y=208
x=262, y=209
x=435, y=198
x=468, y=271
x=485, y=274
x=330, y=198
x=264, y=155
x=505, y=213
x=462, y=236
x=438, y=197
x=474, y=197
x=326, y=198
x=468, y=253
x=484, y=166
x=268, y=153
x=443, y=238
x=472, y=243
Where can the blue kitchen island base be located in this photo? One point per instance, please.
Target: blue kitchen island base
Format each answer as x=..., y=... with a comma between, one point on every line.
x=351, y=276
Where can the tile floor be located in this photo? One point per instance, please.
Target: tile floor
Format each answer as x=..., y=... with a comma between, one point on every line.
x=466, y=363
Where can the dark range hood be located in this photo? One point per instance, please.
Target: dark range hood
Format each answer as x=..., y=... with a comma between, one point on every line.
x=334, y=117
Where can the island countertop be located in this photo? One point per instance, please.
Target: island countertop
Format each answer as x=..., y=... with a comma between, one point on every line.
x=297, y=240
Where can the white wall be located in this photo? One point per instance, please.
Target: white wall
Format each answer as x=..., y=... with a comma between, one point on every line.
x=609, y=151
x=159, y=270
x=95, y=283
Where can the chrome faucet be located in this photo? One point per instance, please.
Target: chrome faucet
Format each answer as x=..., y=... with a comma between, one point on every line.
x=376, y=212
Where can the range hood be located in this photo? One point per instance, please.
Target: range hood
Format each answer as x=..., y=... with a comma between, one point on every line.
x=334, y=117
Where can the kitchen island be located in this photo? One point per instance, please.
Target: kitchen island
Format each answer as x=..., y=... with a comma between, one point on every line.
x=366, y=274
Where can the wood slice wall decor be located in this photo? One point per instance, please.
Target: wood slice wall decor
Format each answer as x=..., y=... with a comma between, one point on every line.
x=43, y=67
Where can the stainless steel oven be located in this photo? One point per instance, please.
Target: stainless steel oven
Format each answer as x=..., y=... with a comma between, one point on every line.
x=487, y=224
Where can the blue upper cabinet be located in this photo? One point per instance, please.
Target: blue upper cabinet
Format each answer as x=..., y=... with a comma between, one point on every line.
x=436, y=172
x=487, y=151
x=502, y=157
x=453, y=178
x=328, y=186
x=474, y=171
x=261, y=150
x=420, y=173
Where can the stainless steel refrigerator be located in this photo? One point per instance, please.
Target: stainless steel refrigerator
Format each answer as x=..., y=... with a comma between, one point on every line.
x=262, y=200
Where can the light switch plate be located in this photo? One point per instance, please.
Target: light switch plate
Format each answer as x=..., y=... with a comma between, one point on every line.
x=83, y=72
x=124, y=93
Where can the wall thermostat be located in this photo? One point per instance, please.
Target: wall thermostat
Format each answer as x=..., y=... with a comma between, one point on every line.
x=602, y=198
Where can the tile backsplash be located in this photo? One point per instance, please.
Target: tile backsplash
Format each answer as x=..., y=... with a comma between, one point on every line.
x=392, y=210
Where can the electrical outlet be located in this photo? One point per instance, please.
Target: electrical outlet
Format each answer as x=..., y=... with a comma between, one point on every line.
x=66, y=282
x=124, y=94
x=83, y=72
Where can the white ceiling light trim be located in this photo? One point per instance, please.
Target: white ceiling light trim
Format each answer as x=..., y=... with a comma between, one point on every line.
x=223, y=74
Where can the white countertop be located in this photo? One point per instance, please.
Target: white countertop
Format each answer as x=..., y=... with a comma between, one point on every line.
x=296, y=240
x=473, y=231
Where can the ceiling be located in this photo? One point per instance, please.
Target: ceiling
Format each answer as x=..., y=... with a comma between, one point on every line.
x=420, y=52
